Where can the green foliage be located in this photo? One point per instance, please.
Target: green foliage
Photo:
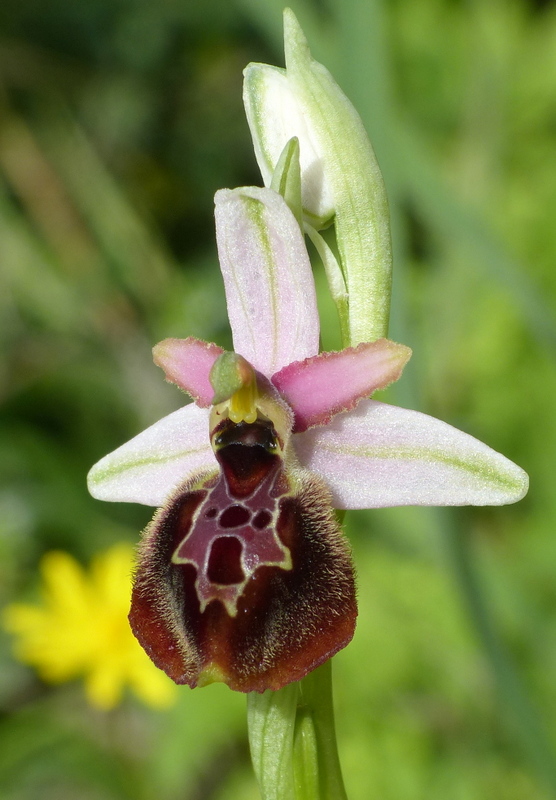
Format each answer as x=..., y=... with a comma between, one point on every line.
x=118, y=123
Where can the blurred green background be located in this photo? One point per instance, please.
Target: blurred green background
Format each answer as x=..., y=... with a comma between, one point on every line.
x=119, y=119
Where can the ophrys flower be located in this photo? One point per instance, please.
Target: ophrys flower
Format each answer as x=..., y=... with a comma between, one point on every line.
x=244, y=575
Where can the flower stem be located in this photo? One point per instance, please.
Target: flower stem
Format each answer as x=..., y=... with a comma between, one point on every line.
x=293, y=740
x=316, y=704
x=271, y=724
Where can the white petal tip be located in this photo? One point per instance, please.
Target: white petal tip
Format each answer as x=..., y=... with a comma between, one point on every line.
x=517, y=486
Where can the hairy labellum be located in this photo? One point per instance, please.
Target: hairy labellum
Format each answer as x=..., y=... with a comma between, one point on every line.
x=244, y=576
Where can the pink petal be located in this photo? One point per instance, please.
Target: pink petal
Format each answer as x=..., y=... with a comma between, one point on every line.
x=268, y=280
x=150, y=466
x=187, y=363
x=324, y=385
x=381, y=455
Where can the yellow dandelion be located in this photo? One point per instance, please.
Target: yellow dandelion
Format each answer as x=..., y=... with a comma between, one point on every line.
x=80, y=629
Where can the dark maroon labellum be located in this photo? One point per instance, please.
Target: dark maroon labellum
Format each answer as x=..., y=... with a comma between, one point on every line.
x=244, y=576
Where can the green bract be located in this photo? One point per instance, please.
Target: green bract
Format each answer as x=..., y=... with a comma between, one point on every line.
x=340, y=178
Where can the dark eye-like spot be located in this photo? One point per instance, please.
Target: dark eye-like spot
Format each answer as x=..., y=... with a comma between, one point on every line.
x=234, y=516
x=262, y=518
x=224, y=565
x=211, y=512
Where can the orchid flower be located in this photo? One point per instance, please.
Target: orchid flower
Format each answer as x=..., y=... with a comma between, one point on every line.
x=244, y=574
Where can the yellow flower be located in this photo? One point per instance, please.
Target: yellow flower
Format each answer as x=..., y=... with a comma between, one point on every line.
x=81, y=629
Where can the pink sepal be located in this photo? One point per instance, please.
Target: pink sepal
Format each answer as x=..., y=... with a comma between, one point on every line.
x=187, y=363
x=270, y=290
x=322, y=386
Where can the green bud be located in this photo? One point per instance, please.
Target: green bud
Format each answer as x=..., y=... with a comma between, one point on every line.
x=340, y=178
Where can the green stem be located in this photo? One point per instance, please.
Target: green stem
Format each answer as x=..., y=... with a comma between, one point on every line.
x=271, y=724
x=336, y=281
x=316, y=704
x=293, y=740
